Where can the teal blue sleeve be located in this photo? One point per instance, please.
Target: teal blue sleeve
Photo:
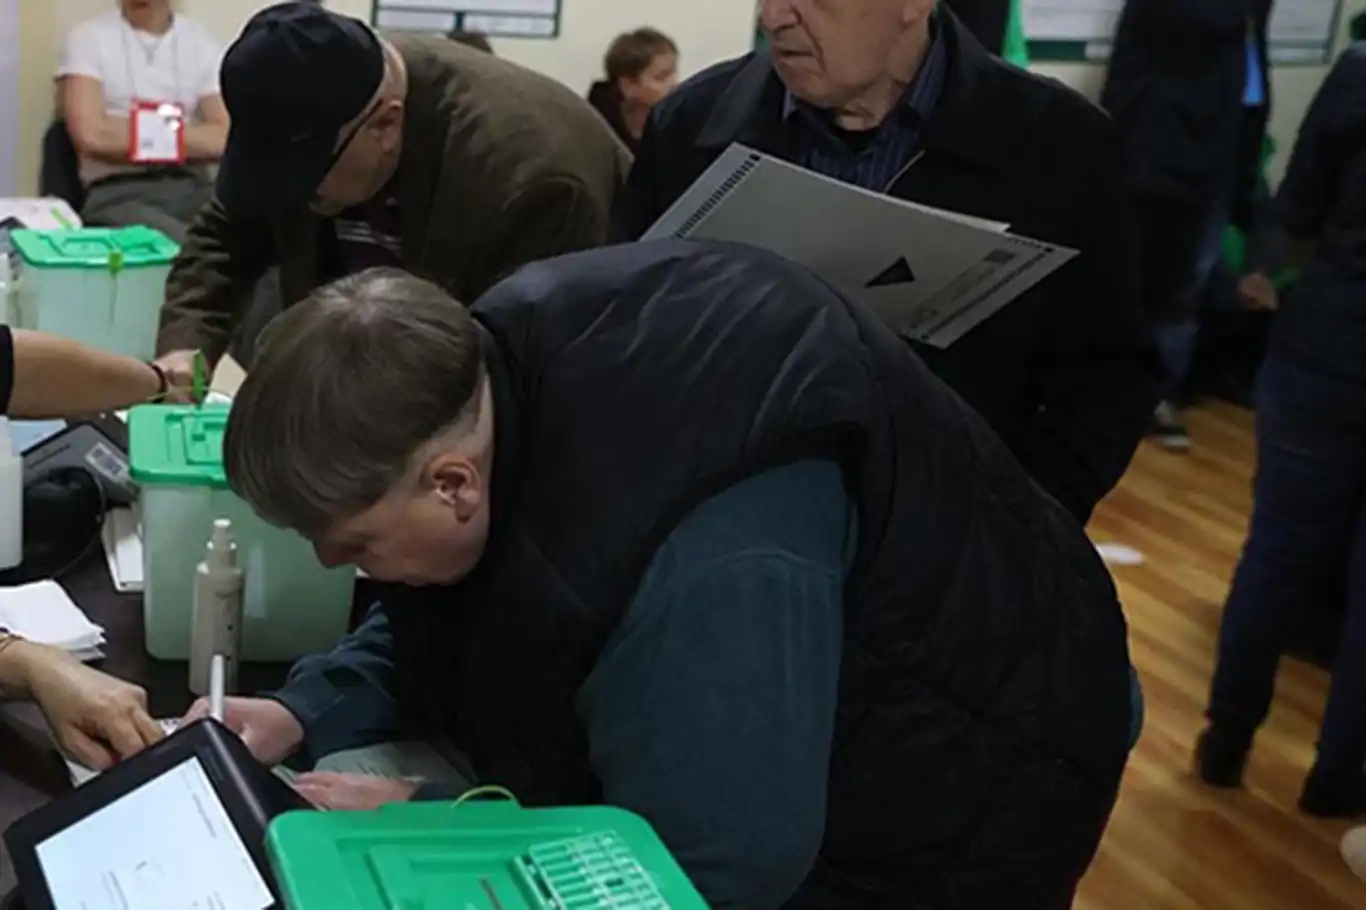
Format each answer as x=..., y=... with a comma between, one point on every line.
x=711, y=710
x=344, y=698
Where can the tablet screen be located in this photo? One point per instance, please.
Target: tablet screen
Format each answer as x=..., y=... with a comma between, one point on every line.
x=167, y=845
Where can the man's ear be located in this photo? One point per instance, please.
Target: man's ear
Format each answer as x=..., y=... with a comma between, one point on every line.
x=389, y=119
x=456, y=480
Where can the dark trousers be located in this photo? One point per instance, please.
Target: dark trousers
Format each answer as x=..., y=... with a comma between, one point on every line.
x=167, y=200
x=1310, y=506
x=1168, y=238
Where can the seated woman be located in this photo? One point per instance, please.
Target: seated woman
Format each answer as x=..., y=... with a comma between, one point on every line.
x=641, y=68
x=95, y=718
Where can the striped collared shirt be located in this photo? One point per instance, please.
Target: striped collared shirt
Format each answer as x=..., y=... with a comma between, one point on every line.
x=871, y=160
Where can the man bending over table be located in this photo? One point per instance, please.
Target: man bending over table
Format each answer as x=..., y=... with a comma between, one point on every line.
x=680, y=528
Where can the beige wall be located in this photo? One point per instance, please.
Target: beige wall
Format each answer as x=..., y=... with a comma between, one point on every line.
x=706, y=30
x=37, y=25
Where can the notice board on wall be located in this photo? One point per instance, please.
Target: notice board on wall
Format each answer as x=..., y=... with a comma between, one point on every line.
x=496, y=18
x=1300, y=31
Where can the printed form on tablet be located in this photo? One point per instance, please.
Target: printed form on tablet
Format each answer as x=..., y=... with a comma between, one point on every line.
x=932, y=275
x=168, y=845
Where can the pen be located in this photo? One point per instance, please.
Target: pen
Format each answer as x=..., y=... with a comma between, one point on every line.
x=216, y=671
x=199, y=390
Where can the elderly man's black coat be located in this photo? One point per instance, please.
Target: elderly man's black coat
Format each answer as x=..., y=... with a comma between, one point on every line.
x=1064, y=374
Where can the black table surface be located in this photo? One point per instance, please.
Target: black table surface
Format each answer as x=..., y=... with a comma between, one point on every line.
x=31, y=771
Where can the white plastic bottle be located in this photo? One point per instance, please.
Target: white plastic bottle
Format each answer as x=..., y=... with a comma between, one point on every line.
x=11, y=500
x=216, y=624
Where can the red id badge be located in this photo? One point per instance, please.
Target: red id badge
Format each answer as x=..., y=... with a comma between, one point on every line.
x=156, y=133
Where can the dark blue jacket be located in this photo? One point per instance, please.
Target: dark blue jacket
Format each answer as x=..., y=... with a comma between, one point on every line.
x=1322, y=200
x=983, y=715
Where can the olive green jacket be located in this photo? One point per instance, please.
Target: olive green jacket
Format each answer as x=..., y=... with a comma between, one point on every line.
x=500, y=167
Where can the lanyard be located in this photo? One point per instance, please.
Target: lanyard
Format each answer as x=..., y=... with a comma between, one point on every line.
x=151, y=55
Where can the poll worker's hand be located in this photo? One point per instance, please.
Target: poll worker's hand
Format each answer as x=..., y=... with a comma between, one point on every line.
x=1258, y=293
x=328, y=790
x=269, y=729
x=96, y=718
x=179, y=369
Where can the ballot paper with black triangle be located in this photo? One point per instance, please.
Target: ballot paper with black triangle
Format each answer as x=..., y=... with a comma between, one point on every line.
x=933, y=275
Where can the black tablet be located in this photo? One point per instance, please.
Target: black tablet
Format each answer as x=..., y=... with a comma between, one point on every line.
x=180, y=825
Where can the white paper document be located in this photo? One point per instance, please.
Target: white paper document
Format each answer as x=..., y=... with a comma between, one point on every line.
x=396, y=761
x=168, y=845
x=1070, y=20
x=931, y=275
x=122, y=541
x=44, y=613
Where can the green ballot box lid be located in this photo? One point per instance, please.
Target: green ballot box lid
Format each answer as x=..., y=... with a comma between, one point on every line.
x=177, y=445
x=475, y=855
x=114, y=249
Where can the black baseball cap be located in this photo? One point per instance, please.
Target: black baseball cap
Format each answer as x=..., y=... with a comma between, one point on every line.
x=291, y=81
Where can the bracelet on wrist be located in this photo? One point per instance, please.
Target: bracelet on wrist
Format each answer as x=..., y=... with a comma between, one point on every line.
x=163, y=382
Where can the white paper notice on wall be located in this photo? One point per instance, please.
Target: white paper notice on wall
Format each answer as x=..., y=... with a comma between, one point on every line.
x=1299, y=31
x=1302, y=31
x=499, y=18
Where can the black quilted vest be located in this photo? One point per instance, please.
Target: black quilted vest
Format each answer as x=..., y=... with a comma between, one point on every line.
x=983, y=716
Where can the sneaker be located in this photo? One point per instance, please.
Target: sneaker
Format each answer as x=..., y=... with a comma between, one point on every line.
x=1334, y=796
x=1167, y=431
x=1220, y=758
x=1354, y=851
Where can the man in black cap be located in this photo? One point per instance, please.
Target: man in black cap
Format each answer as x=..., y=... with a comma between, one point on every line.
x=348, y=150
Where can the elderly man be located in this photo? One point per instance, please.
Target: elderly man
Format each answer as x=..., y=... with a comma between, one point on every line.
x=678, y=527
x=897, y=98
x=349, y=151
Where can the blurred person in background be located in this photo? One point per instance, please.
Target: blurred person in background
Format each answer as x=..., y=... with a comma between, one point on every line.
x=1189, y=87
x=143, y=53
x=350, y=151
x=641, y=69
x=1310, y=496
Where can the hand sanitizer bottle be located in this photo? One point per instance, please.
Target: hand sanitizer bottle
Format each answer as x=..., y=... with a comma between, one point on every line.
x=11, y=500
x=216, y=624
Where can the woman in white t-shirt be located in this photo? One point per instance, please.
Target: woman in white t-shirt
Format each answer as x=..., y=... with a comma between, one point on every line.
x=138, y=89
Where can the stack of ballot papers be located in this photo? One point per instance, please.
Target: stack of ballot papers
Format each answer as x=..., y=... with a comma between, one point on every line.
x=43, y=612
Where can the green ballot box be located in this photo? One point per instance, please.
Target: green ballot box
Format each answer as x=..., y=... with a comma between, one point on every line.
x=475, y=856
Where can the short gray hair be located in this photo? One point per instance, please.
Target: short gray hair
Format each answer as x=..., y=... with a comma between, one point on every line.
x=346, y=387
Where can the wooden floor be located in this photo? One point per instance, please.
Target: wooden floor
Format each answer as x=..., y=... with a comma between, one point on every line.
x=1174, y=844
